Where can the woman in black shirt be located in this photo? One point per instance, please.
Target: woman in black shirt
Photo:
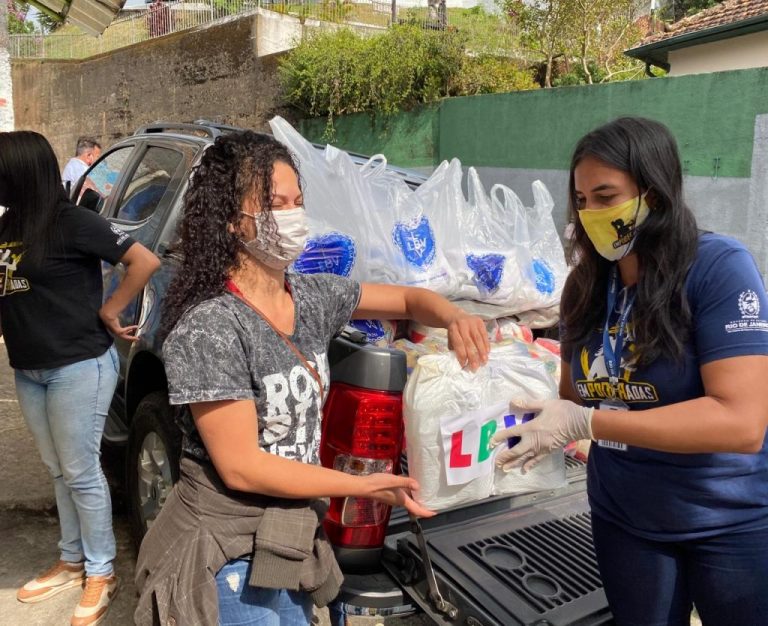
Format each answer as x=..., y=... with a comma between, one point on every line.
x=57, y=333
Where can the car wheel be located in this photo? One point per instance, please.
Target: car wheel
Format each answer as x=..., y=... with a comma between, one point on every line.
x=152, y=462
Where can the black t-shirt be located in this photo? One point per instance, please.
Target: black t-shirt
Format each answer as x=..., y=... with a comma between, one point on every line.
x=50, y=312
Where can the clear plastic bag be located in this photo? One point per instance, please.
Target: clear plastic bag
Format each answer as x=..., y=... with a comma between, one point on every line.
x=405, y=245
x=450, y=414
x=332, y=200
x=480, y=256
x=514, y=255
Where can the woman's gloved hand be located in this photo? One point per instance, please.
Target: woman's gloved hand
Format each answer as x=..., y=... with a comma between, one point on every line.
x=557, y=424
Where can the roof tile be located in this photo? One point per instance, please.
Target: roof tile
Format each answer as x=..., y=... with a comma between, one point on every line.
x=728, y=12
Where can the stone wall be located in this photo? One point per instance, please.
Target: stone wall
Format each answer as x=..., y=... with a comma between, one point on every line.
x=211, y=72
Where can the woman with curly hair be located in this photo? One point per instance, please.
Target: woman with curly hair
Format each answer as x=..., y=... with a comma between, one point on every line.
x=240, y=539
x=665, y=358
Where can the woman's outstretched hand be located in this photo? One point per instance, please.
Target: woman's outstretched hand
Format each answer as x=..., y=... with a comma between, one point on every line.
x=395, y=491
x=468, y=338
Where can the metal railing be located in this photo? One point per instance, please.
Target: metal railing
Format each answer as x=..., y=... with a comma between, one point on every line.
x=164, y=18
x=156, y=20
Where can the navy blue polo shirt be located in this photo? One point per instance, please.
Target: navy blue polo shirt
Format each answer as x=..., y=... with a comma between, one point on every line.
x=667, y=496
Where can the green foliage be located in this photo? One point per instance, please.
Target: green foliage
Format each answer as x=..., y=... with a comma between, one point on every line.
x=48, y=24
x=678, y=9
x=334, y=73
x=489, y=74
x=338, y=11
x=339, y=72
x=592, y=33
x=577, y=76
x=17, y=24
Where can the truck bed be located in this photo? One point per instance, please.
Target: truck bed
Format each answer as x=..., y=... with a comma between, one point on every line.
x=506, y=560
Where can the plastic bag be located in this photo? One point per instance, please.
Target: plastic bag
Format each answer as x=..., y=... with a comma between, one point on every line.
x=332, y=202
x=455, y=466
x=378, y=332
x=539, y=260
x=405, y=247
x=511, y=256
x=480, y=256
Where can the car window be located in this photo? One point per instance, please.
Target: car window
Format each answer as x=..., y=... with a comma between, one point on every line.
x=148, y=185
x=99, y=182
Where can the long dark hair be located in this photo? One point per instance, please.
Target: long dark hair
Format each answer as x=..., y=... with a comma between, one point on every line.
x=237, y=166
x=665, y=246
x=31, y=190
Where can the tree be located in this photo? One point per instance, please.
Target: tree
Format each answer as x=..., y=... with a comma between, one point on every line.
x=48, y=23
x=678, y=9
x=601, y=31
x=332, y=73
x=544, y=28
x=17, y=15
x=594, y=33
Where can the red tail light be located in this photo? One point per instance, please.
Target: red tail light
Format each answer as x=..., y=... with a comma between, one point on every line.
x=362, y=434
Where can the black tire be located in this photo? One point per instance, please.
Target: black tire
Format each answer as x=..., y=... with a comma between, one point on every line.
x=152, y=461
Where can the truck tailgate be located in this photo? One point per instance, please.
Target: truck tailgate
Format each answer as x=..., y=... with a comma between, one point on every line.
x=533, y=563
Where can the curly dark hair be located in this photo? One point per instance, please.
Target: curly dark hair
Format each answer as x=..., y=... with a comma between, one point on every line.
x=236, y=167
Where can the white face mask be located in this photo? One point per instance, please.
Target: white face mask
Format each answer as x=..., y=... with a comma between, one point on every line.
x=292, y=233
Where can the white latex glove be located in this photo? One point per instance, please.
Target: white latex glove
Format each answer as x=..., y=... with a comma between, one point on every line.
x=557, y=424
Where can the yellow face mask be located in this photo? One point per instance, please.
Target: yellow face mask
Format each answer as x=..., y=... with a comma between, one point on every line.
x=612, y=230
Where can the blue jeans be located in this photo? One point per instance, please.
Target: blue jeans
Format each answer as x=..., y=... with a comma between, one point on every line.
x=652, y=583
x=65, y=409
x=243, y=605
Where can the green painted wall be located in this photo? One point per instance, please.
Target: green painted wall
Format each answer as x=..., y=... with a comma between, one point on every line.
x=408, y=139
x=712, y=116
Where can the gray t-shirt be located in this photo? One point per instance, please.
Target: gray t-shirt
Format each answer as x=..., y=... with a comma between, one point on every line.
x=223, y=350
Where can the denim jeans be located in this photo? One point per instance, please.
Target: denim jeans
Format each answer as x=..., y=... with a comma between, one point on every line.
x=243, y=605
x=652, y=583
x=65, y=409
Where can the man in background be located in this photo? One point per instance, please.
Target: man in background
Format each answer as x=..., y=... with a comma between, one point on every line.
x=86, y=152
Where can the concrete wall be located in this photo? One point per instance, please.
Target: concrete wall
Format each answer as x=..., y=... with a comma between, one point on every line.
x=517, y=138
x=211, y=72
x=6, y=95
x=277, y=32
x=737, y=53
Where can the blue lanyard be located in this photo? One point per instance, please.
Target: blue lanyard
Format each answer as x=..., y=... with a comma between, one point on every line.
x=611, y=355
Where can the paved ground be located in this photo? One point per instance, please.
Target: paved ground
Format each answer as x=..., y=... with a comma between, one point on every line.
x=29, y=530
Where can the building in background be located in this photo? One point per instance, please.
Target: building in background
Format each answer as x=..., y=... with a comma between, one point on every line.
x=730, y=36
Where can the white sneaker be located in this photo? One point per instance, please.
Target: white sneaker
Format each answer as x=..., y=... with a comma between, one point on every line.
x=98, y=594
x=58, y=578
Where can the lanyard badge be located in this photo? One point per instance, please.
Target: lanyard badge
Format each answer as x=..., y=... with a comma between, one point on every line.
x=612, y=353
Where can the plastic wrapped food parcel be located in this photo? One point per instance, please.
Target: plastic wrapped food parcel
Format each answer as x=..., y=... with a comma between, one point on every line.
x=451, y=413
x=487, y=251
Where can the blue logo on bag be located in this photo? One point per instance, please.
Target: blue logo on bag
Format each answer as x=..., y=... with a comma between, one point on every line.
x=417, y=243
x=544, y=277
x=488, y=270
x=373, y=329
x=332, y=253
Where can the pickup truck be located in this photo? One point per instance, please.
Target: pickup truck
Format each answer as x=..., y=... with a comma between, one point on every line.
x=504, y=561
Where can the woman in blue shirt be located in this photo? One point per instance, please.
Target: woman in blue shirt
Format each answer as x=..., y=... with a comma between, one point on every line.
x=665, y=363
